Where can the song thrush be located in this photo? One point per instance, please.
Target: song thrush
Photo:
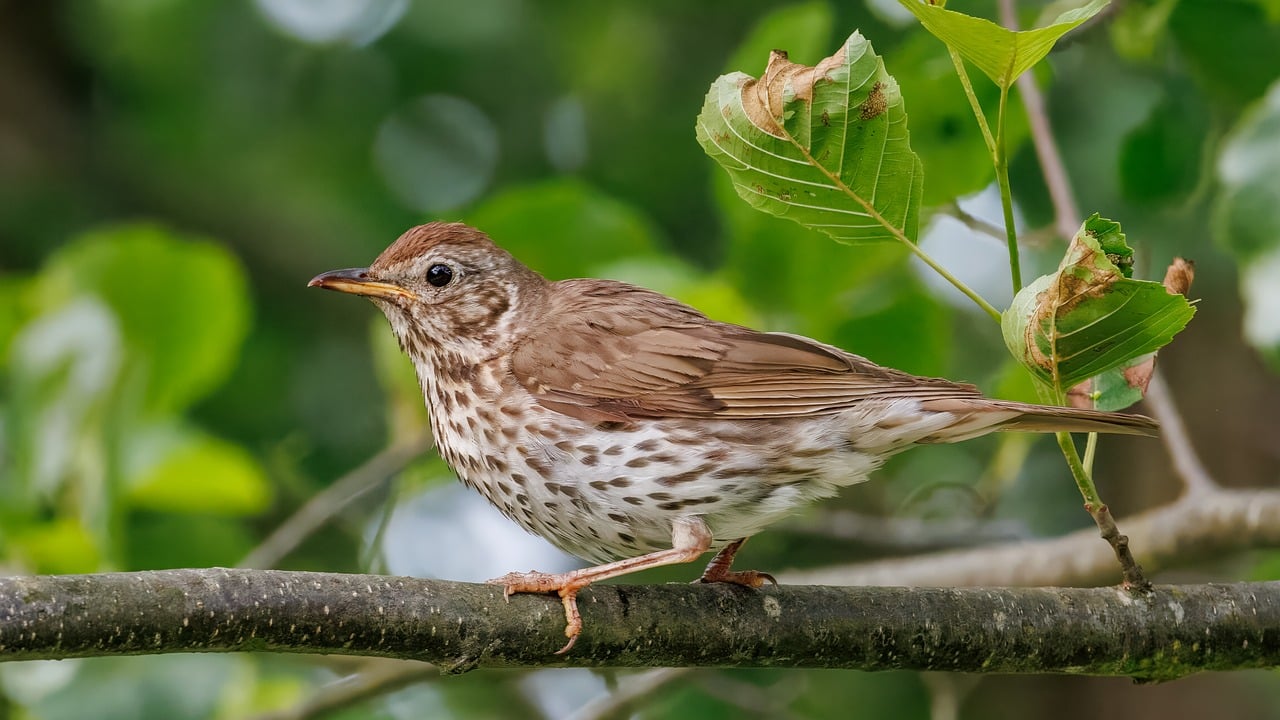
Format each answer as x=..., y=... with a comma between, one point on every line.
x=631, y=430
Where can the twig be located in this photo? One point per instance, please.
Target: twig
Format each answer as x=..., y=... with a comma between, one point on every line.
x=1194, y=528
x=1173, y=432
x=1131, y=570
x=1066, y=213
x=768, y=701
x=622, y=700
x=377, y=677
x=973, y=222
x=1066, y=218
x=324, y=505
x=947, y=692
x=907, y=534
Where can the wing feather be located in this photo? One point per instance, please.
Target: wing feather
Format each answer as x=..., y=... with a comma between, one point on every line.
x=611, y=351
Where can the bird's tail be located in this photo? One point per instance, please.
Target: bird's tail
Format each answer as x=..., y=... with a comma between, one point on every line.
x=980, y=416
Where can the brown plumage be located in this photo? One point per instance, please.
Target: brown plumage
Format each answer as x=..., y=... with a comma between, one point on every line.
x=623, y=425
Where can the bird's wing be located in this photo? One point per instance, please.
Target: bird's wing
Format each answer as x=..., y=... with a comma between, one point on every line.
x=618, y=352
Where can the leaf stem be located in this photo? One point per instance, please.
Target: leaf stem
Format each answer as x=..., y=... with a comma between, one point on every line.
x=969, y=292
x=1083, y=479
x=1090, y=450
x=973, y=101
x=1006, y=194
x=897, y=232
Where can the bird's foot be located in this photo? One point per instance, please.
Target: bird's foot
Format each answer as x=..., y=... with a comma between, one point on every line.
x=718, y=569
x=746, y=578
x=563, y=584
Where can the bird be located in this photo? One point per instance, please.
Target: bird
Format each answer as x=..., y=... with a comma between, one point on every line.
x=630, y=429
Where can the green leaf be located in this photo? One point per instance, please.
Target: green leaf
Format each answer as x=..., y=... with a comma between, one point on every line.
x=182, y=305
x=1160, y=160
x=173, y=469
x=804, y=29
x=1114, y=389
x=59, y=546
x=13, y=313
x=1229, y=47
x=825, y=146
x=946, y=136
x=565, y=228
x=813, y=282
x=1140, y=28
x=1088, y=318
x=714, y=296
x=1002, y=54
x=206, y=540
x=912, y=332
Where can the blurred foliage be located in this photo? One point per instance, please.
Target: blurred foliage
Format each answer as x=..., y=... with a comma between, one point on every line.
x=172, y=173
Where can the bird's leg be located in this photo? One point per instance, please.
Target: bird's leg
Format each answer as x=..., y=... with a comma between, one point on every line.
x=690, y=538
x=718, y=569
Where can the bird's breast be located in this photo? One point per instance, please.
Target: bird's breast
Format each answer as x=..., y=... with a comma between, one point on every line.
x=608, y=490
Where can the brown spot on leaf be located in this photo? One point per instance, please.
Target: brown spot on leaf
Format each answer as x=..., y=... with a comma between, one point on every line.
x=1177, y=280
x=875, y=104
x=763, y=99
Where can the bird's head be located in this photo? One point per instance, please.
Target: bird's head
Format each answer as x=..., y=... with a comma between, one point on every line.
x=447, y=290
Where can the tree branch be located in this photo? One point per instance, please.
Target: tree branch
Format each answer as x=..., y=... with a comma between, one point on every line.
x=1197, y=526
x=377, y=678
x=458, y=626
x=327, y=503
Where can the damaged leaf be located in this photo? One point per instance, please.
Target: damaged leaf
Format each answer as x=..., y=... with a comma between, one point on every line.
x=826, y=146
x=1001, y=53
x=1120, y=387
x=1088, y=318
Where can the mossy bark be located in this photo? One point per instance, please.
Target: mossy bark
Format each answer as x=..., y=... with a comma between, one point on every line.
x=1166, y=633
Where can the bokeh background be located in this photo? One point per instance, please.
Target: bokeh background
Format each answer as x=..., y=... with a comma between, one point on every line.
x=172, y=172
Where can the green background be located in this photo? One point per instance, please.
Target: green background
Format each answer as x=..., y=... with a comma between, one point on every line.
x=172, y=172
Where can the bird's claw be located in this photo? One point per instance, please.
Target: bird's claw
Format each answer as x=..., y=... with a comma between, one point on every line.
x=540, y=582
x=745, y=578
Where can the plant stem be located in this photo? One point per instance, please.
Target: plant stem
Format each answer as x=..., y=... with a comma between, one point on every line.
x=1083, y=480
x=1006, y=194
x=973, y=102
x=968, y=291
x=1090, y=449
x=1134, y=578
x=897, y=232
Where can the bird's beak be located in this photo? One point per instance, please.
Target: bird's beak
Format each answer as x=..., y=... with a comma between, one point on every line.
x=357, y=282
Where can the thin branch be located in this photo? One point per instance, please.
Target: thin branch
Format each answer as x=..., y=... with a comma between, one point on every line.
x=1130, y=569
x=899, y=535
x=1033, y=238
x=1173, y=432
x=1006, y=193
x=973, y=222
x=1194, y=528
x=1065, y=217
x=324, y=505
x=632, y=691
x=1066, y=213
x=1170, y=632
x=376, y=678
x=894, y=230
x=947, y=692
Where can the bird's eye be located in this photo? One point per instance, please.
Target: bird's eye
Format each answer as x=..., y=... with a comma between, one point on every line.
x=439, y=275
